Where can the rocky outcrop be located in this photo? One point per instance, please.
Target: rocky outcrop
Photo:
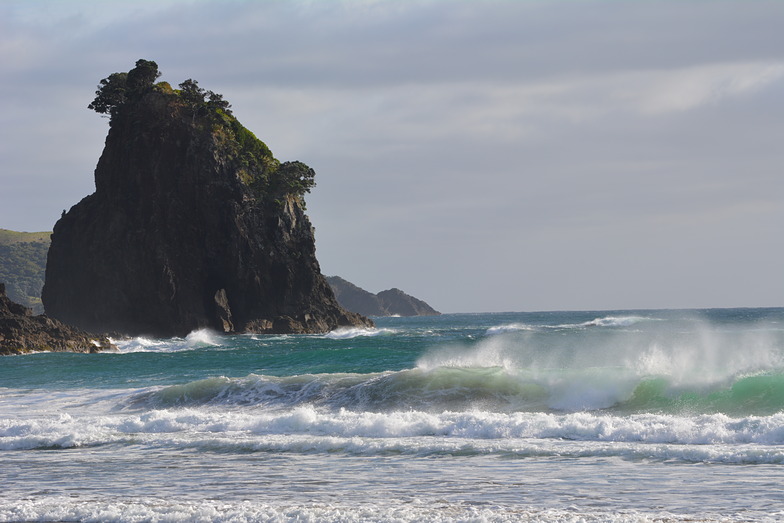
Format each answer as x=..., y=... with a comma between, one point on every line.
x=392, y=302
x=21, y=332
x=193, y=224
x=355, y=298
x=398, y=303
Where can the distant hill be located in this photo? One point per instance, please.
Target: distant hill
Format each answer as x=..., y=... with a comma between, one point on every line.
x=10, y=237
x=23, y=266
x=392, y=302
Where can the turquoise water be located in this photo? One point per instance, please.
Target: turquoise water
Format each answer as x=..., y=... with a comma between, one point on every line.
x=555, y=416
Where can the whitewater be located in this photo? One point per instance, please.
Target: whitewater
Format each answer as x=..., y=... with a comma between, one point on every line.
x=659, y=415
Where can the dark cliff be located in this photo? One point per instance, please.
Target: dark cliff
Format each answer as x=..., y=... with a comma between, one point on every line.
x=22, y=332
x=193, y=224
x=392, y=302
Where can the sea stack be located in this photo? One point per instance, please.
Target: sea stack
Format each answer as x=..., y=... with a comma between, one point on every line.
x=193, y=224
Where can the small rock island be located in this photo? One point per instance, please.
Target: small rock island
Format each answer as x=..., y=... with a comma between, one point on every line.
x=193, y=224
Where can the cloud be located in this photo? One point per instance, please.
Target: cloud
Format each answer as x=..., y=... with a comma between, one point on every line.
x=685, y=89
x=484, y=155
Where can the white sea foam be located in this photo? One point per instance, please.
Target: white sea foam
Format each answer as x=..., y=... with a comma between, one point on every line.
x=510, y=327
x=607, y=321
x=344, y=333
x=71, y=508
x=202, y=338
x=614, y=321
x=709, y=438
x=197, y=339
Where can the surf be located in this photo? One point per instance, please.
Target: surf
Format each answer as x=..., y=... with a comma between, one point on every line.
x=198, y=339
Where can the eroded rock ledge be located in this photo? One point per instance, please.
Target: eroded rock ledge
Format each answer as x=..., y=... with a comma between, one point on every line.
x=21, y=332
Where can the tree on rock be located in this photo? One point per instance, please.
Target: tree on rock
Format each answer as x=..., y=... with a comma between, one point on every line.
x=111, y=94
x=191, y=93
x=294, y=178
x=115, y=90
x=142, y=77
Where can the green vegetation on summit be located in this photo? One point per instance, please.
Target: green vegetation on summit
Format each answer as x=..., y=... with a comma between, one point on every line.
x=210, y=113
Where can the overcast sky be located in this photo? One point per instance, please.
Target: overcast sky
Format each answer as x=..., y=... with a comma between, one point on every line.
x=480, y=155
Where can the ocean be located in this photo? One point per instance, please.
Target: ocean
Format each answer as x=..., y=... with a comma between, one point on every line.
x=648, y=415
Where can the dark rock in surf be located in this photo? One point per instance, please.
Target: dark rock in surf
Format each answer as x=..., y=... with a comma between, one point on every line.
x=193, y=224
x=21, y=332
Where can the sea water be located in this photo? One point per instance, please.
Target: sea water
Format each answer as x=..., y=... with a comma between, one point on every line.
x=556, y=416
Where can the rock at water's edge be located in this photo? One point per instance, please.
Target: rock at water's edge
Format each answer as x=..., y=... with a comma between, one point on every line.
x=21, y=332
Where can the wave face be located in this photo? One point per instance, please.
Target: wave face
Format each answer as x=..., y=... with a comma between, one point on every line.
x=491, y=389
x=447, y=412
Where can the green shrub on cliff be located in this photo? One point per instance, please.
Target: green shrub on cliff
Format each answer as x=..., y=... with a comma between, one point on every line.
x=141, y=78
x=256, y=165
x=111, y=94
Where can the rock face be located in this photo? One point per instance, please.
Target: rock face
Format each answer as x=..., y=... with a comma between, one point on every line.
x=392, y=302
x=22, y=332
x=193, y=224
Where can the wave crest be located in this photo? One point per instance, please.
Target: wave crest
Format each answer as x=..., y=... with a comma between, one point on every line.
x=490, y=389
x=198, y=339
x=344, y=333
x=308, y=429
x=615, y=321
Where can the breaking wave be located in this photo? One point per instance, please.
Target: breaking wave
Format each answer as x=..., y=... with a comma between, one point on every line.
x=607, y=321
x=308, y=429
x=356, y=332
x=197, y=339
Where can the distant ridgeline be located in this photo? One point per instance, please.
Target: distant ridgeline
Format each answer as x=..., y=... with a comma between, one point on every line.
x=23, y=265
x=392, y=302
x=193, y=224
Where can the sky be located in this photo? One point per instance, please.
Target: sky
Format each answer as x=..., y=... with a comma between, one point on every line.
x=480, y=155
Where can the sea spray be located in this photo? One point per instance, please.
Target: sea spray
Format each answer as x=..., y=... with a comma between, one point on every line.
x=353, y=332
x=603, y=367
x=198, y=339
